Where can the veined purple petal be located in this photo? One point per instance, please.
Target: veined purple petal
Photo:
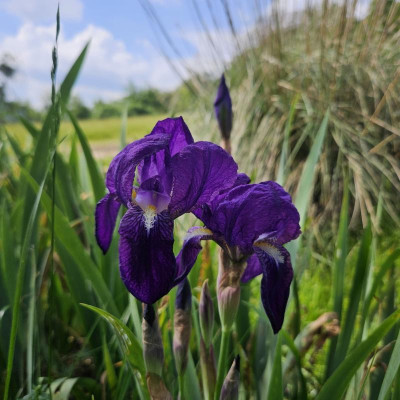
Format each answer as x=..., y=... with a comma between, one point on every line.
x=275, y=284
x=190, y=249
x=106, y=214
x=146, y=259
x=223, y=109
x=248, y=211
x=200, y=171
x=253, y=268
x=121, y=172
x=159, y=163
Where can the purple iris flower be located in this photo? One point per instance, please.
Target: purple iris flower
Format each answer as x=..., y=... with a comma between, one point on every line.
x=223, y=109
x=175, y=176
x=252, y=222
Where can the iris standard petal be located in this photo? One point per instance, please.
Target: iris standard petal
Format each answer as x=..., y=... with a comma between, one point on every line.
x=121, y=172
x=159, y=163
x=253, y=268
x=190, y=249
x=106, y=214
x=199, y=171
x=146, y=259
x=275, y=284
x=248, y=211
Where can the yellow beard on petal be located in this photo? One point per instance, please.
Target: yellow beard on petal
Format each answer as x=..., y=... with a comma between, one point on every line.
x=271, y=251
x=149, y=214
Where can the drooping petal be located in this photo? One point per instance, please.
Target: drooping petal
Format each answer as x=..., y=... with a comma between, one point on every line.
x=159, y=163
x=106, y=214
x=253, y=268
x=199, y=171
x=223, y=109
x=190, y=249
x=121, y=172
x=146, y=258
x=275, y=284
x=248, y=211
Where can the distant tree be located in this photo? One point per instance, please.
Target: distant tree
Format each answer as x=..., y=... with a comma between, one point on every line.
x=78, y=108
x=7, y=71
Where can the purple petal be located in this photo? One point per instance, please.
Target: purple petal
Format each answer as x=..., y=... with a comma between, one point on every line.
x=106, y=214
x=223, y=109
x=200, y=171
x=146, y=258
x=249, y=211
x=275, y=284
x=121, y=172
x=253, y=268
x=158, y=164
x=190, y=249
x=151, y=193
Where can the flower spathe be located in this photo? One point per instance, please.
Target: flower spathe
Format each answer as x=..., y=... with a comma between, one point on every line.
x=252, y=222
x=175, y=176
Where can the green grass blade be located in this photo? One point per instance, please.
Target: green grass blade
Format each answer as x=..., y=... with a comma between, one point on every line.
x=94, y=171
x=339, y=271
x=20, y=282
x=275, y=386
x=124, y=125
x=305, y=187
x=30, y=324
x=32, y=130
x=391, y=371
x=355, y=296
x=67, y=237
x=130, y=346
x=336, y=385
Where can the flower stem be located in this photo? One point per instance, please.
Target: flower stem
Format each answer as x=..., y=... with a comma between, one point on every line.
x=181, y=382
x=223, y=353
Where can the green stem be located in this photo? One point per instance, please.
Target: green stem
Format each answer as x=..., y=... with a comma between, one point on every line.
x=181, y=382
x=223, y=353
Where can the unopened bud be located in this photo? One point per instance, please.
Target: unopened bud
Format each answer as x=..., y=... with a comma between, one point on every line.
x=206, y=314
x=182, y=325
x=230, y=388
x=228, y=291
x=223, y=109
x=153, y=351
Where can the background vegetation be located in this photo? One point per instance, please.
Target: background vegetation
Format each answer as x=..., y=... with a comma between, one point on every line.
x=316, y=100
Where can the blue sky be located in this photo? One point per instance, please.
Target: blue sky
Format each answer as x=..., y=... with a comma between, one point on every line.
x=125, y=44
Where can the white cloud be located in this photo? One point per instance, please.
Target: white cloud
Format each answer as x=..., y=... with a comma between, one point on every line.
x=107, y=70
x=38, y=11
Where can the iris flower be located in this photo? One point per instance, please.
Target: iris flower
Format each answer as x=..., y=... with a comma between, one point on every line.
x=252, y=222
x=175, y=176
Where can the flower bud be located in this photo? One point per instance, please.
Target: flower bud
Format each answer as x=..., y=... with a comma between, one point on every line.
x=182, y=325
x=206, y=314
x=153, y=351
x=230, y=388
x=228, y=290
x=223, y=109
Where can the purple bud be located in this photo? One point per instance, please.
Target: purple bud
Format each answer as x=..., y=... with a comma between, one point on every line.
x=223, y=109
x=182, y=325
x=206, y=314
x=230, y=388
x=228, y=290
x=153, y=351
